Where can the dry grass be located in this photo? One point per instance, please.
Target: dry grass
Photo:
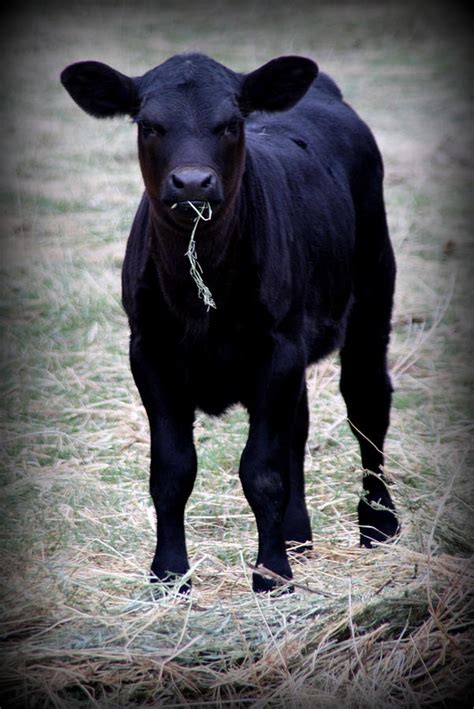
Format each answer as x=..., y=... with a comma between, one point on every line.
x=81, y=626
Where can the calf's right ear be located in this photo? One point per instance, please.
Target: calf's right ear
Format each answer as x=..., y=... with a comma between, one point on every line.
x=100, y=90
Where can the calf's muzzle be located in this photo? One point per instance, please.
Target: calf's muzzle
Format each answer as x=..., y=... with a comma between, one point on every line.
x=191, y=184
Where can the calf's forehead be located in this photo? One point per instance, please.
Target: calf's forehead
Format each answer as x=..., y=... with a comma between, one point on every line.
x=188, y=84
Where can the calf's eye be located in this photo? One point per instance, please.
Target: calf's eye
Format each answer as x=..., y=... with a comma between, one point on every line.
x=151, y=129
x=231, y=128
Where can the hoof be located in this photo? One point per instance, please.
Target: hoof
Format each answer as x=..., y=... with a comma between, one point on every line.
x=169, y=583
x=266, y=584
x=297, y=530
x=299, y=547
x=378, y=521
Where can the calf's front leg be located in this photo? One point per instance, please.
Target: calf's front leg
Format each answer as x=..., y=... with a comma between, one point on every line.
x=173, y=463
x=266, y=460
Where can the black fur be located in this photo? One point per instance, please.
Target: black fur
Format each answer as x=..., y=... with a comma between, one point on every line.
x=299, y=262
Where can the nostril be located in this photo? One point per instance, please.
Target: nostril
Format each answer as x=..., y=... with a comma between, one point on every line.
x=191, y=184
x=207, y=181
x=179, y=184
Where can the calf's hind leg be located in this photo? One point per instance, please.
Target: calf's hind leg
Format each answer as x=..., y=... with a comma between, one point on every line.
x=296, y=524
x=366, y=387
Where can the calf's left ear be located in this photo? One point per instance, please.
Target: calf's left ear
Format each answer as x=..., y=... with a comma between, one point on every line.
x=277, y=85
x=99, y=90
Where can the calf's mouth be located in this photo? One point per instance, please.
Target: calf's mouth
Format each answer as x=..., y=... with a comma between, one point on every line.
x=189, y=206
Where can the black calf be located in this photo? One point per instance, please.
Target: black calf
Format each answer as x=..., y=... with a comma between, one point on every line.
x=296, y=254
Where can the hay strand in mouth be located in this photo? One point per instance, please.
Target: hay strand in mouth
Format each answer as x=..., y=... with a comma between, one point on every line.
x=195, y=268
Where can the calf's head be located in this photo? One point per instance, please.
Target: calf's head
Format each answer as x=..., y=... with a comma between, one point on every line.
x=190, y=113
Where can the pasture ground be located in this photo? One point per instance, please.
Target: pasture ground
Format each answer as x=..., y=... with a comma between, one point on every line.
x=80, y=627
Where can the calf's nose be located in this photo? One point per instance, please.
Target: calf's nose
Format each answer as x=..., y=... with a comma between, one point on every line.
x=191, y=184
